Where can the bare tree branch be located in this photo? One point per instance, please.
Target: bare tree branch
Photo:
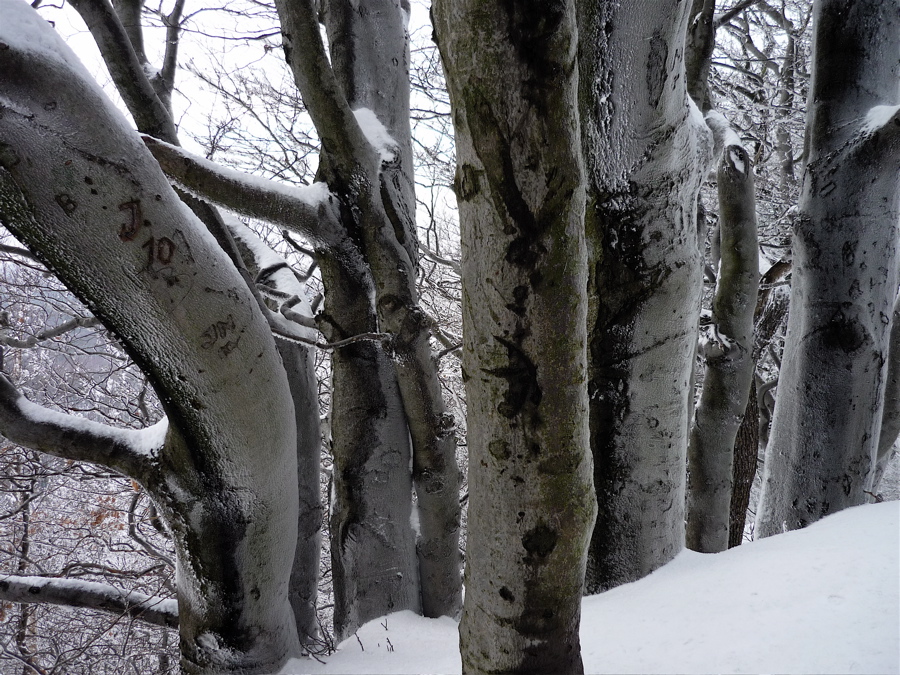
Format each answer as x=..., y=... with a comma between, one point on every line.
x=164, y=82
x=128, y=451
x=342, y=138
x=431, y=255
x=727, y=16
x=15, y=250
x=148, y=110
x=305, y=211
x=50, y=333
x=90, y=594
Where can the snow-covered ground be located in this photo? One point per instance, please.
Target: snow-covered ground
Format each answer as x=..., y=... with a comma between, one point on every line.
x=821, y=600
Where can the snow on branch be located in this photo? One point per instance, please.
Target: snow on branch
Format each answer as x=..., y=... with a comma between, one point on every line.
x=128, y=451
x=307, y=211
x=277, y=283
x=90, y=594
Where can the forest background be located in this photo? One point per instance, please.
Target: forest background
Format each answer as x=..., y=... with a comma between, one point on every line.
x=235, y=102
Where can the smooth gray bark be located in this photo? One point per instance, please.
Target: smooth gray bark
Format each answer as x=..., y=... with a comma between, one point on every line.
x=374, y=570
x=272, y=273
x=890, y=418
x=126, y=61
x=647, y=150
x=512, y=74
x=82, y=191
x=370, y=57
x=821, y=454
x=118, y=32
x=698, y=50
x=729, y=358
x=374, y=192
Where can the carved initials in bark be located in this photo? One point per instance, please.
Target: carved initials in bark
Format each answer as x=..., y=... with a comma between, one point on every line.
x=220, y=331
x=129, y=229
x=160, y=251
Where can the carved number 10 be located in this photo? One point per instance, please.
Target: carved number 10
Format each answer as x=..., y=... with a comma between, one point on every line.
x=160, y=250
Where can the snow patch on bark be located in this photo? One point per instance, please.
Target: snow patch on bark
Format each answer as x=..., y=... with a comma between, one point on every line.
x=696, y=114
x=295, y=314
x=25, y=31
x=764, y=263
x=879, y=117
x=721, y=128
x=9, y=104
x=736, y=161
x=377, y=135
x=414, y=520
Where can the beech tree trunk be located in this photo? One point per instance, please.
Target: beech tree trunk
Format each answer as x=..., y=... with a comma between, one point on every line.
x=746, y=459
x=821, y=454
x=78, y=186
x=370, y=175
x=272, y=271
x=117, y=29
x=374, y=568
x=647, y=148
x=370, y=57
x=729, y=357
x=890, y=418
x=512, y=74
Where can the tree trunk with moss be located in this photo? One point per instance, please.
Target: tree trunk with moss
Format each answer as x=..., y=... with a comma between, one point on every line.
x=828, y=414
x=647, y=150
x=520, y=186
x=746, y=459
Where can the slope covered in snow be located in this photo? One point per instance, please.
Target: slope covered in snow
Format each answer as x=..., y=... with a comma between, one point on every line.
x=821, y=600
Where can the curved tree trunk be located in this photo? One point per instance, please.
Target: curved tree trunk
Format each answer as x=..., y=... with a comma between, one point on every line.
x=729, y=358
x=272, y=271
x=823, y=446
x=79, y=187
x=521, y=201
x=118, y=32
x=647, y=150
